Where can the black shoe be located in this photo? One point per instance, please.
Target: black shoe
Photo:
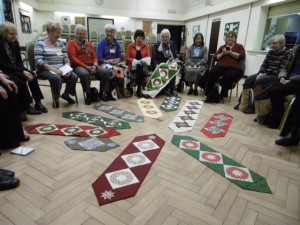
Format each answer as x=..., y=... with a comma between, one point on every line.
x=40, y=107
x=255, y=119
x=195, y=93
x=173, y=94
x=23, y=117
x=110, y=98
x=103, y=98
x=31, y=111
x=249, y=110
x=68, y=98
x=237, y=106
x=221, y=100
x=190, y=92
x=87, y=99
x=7, y=173
x=7, y=183
x=25, y=138
x=291, y=139
x=274, y=124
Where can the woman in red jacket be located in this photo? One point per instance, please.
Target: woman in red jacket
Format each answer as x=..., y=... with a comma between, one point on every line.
x=138, y=59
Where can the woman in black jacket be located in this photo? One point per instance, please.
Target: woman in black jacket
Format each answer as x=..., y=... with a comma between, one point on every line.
x=12, y=65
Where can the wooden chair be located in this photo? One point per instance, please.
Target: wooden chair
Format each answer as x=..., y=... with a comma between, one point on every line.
x=31, y=62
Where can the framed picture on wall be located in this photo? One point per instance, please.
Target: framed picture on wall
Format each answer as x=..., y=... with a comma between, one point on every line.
x=232, y=27
x=25, y=21
x=97, y=24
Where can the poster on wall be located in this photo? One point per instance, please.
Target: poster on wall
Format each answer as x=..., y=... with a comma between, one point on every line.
x=232, y=27
x=7, y=10
x=25, y=21
x=196, y=29
x=97, y=24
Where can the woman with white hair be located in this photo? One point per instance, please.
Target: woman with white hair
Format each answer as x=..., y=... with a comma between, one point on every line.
x=162, y=52
x=109, y=54
x=85, y=63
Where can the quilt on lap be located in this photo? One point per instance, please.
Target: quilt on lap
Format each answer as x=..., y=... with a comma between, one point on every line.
x=123, y=178
x=221, y=164
x=161, y=76
x=71, y=130
x=96, y=120
x=120, y=113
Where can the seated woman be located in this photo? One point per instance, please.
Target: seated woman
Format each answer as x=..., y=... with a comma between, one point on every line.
x=85, y=63
x=289, y=83
x=138, y=59
x=11, y=63
x=109, y=54
x=228, y=66
x=50, y=55
x=268, y=72
x=11, y=130
x=195, y=62
x=162, y=52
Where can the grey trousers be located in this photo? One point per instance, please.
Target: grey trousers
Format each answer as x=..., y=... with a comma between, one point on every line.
x=56, y=82
x=101, y=74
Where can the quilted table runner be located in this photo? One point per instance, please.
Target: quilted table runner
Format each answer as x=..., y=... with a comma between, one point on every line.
x=91, y=144
x=170, y=104
x=221, y=164
x=126, y=173
x=217, y=126
x=187, y=116
x=96, y=120
x=71, y=130
x=161, y=76
x=148, y=108
x=120, y=113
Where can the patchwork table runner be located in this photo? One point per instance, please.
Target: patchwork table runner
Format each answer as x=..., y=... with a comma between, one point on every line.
x=71, y=130
x=96, y=120
x=161, y=76
x=217, y=126
x=187, y=116
x=221, y=164
x=170, y=104
x=91, y=144
x=148, y=108
x=125, y=175
x=120, y=113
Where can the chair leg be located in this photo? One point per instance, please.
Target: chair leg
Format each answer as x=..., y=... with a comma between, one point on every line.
x=286, y=113
x=76, y=98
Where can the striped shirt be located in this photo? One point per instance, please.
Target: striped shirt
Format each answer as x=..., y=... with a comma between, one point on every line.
x=55, y=56
x=273, y=62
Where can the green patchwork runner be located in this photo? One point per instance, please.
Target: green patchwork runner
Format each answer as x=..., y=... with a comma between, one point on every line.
x=161, y=77
x=221, y=164
x=91, y=144
x=170, y=104
x=96, y=120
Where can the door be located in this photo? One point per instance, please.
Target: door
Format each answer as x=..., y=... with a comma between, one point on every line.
x=213, y=42
x=147, y=27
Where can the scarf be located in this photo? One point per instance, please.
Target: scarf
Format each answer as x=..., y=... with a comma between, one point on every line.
x=83, y=46
x=166, y=50
x=10, y=52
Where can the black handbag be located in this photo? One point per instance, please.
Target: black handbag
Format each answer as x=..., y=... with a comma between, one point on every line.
x=94, y=94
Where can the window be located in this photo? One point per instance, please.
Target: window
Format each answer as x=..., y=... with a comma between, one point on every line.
x=1, y=12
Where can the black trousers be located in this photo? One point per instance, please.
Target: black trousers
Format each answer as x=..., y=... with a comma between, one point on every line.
x=11, y=130
x=277, y=96
x=230, y=75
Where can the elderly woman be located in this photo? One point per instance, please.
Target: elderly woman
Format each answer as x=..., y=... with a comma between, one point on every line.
x=11, y=63
x=274, y=61
x=228, y=66
x=195, y=61
x=162, y=52
x=109, y=54
x=85, y=63
x=138, y=59
x=50, y=55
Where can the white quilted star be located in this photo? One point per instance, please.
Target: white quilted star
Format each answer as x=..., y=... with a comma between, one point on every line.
x=107, y=195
